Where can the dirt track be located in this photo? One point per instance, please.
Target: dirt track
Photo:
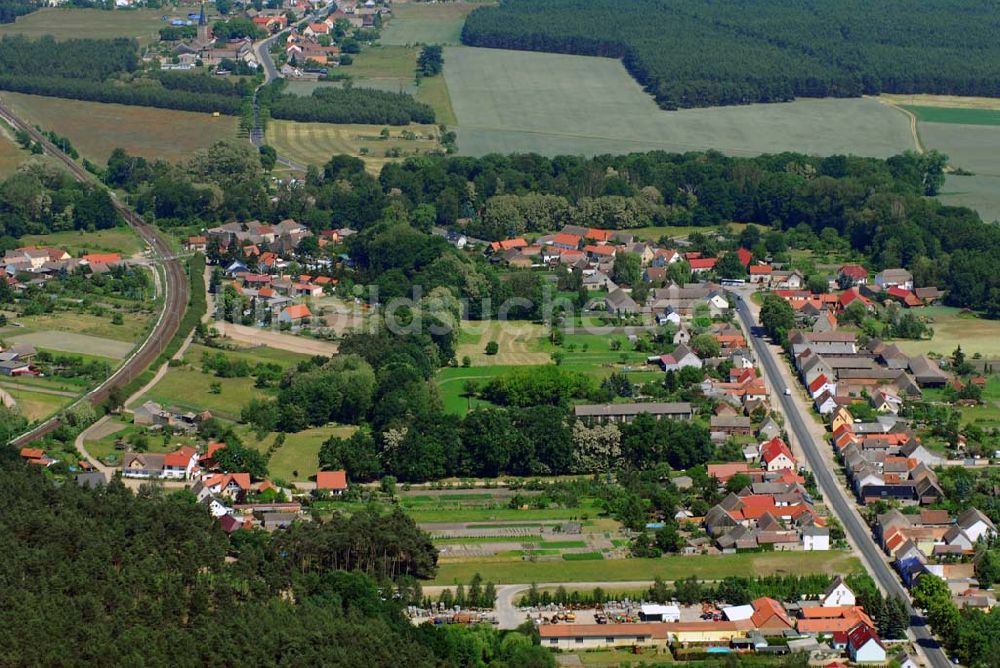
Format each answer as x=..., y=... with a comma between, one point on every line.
x=263, y=337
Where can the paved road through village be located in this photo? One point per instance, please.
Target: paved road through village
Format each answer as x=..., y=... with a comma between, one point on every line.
x=795, y=412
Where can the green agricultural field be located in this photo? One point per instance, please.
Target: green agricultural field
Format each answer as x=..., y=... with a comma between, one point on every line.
x=96, y=128
x=315, y=143
x=973, y=148
x=77, y=242
x=669, y=568
x=508, y=101
x=952, y=328
x=954, y=115
x=434, y=91
x=70, y=23
x=429, y=514
x=384, y=67
x=427, y=23
x=298, y=458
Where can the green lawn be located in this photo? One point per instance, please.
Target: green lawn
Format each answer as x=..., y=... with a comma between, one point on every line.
x=298, y=458
x=669, y=568
x=955, y=115
x=450, y=382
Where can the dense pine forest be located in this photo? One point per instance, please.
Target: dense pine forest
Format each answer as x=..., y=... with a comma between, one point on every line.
x=345, y=105
x=118, y=578
x=696, y=53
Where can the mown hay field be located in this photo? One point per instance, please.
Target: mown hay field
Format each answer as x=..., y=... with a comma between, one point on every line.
x=551, y=103
x=315, y=143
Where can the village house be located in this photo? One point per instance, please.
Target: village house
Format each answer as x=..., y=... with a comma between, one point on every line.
x=295, y=315
x=331, y=482
x=889, y=278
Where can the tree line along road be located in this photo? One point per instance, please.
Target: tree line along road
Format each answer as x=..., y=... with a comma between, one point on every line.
x=175, y=297
x=858, y=532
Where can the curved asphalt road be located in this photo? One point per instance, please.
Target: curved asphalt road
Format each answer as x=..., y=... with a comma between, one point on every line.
x=262, y=49
x=832, y=492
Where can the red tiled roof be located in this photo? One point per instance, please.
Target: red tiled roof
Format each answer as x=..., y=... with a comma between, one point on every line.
x=724, y=472
x=744, y=255
x=180, y=458
x=599, y=235
x=817, y=383
x=774, y=449
x=855, y=271
x=508, y=244
x=600, y=250
x=336, y=480
x=703, y=263
x=102, y=258
x=767, y=610
x=296, y=311
x=565, y=239
x=242, y=480
x=32, y=453
x=861, y=635
x=761, y=269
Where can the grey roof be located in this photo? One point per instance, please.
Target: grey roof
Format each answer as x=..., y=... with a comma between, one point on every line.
x=732, y=421
x=971, y=516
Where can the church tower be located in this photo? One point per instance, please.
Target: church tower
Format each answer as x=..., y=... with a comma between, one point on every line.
x=203, y=36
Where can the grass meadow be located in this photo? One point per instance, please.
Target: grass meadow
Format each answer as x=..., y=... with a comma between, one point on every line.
x=37, y=405
x=78, y=242
x=11, y=156
x=298, y=458
x=70, y=23
x=551, y=103
x=96, y=128
x=505, y=571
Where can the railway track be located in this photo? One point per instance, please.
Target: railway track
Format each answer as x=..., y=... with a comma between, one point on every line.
x=175, y=292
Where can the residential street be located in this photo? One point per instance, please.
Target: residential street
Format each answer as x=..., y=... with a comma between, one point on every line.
x=812, y=444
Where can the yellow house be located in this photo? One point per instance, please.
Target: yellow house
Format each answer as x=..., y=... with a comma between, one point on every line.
x=841, y=416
